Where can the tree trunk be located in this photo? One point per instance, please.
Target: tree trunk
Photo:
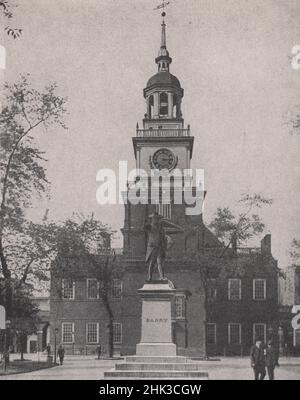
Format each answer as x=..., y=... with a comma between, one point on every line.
x=8, y=298
x=110, y=327
x=22, y=351
x=22, y=340
x=7, y=282
x=205, y=322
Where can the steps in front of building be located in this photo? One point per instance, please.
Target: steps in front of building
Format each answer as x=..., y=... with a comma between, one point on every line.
x=156, y=359
x=159, y=366
x=156, y=374
x=143, y=367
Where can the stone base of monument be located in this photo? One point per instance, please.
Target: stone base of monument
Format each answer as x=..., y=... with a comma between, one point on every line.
x=156, y=349
x=156, y=353
x=156, y=335
x=158, y=368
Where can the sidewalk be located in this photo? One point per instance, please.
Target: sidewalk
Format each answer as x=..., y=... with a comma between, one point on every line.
x=88, y=367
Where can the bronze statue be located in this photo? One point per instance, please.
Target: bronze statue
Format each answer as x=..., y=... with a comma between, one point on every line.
x=158, y=242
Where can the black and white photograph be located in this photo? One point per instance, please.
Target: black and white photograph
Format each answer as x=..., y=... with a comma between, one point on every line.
x=149, y=192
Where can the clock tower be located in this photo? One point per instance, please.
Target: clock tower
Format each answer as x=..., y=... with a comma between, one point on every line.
x=164, y=142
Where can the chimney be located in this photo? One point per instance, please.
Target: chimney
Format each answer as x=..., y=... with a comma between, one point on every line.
x=266, y=244
x=234, y=242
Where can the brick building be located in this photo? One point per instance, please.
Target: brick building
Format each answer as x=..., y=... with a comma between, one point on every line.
x=290, y=286
x=243, y=306
x=289, y=293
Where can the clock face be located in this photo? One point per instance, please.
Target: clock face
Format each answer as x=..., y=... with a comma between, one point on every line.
x=164, y=159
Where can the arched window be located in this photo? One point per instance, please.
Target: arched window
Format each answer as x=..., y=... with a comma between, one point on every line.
x=175, y=106
x=163, y=109
x=163, y=97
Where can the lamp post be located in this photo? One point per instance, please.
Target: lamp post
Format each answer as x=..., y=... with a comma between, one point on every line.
x=281, y=339
x=270, y=333
x=55, y=333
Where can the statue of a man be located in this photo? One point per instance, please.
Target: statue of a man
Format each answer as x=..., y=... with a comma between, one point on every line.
x=158, y=243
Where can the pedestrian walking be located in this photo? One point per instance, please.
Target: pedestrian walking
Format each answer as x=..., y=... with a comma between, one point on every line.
x=99, y=351
x=61, y=354
x=48, y=349
x=257, y=357
x=270, y=360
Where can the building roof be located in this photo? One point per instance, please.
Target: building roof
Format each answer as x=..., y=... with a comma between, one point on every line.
x=163, y=78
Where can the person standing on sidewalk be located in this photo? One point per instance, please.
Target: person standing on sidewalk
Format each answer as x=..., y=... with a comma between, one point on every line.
x=257, y=357
x=270, y=360
x=61, y=354
x=48, y=349
x=99, y=351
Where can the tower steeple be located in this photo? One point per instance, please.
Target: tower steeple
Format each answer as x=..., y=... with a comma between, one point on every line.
x=163, y=142
x=163, y=92
x=163, y=60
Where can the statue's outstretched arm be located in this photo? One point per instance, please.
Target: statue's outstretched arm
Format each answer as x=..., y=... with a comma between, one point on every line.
x=168, y=224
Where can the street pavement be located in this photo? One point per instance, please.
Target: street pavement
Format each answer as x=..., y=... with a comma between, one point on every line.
x=88, y=368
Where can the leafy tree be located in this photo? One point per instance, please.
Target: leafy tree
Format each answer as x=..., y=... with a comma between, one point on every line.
x=86, y=241
x=292, y=120
x=295, y=251
x=105, y=272
x=23, y=318
x=6, y=8
x=24, y=246
x=237, y=229
x=296, y=124
x=215, y=264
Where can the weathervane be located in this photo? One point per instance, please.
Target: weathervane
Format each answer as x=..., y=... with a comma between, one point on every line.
x=162, y=6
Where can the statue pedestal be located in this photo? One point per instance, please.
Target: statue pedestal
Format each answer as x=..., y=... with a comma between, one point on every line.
x=156, y=353
x=156, y=335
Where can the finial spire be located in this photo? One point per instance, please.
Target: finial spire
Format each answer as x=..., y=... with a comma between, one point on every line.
x=163, y=35
x=163, y=60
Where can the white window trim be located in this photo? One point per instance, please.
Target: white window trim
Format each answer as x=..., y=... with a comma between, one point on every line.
x=265, y=331
x=215, y=332
x=73, y=332
x=229, y=289
x=87, y=288
x=121, y=332
x=63, y=289
x=183, y=315
x=265, y=288
x=240, y=333
x=87, y=330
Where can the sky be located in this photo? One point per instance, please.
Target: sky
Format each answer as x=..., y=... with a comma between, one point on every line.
x=233, y=59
